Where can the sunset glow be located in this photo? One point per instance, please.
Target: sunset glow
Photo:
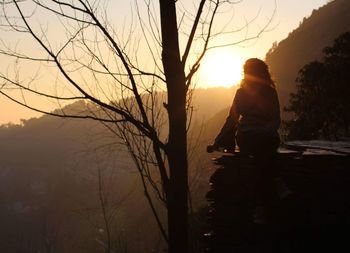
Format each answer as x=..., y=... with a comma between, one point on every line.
x=221, y=67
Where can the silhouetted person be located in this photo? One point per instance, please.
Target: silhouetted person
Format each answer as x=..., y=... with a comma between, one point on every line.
x=253, y=121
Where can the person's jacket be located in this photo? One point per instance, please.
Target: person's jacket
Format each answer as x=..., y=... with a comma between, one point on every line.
x=255, y=109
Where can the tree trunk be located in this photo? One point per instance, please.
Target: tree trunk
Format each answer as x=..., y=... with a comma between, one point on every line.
x=177, y=143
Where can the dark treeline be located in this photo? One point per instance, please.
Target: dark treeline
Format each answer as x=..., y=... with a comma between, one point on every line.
x=321, y=105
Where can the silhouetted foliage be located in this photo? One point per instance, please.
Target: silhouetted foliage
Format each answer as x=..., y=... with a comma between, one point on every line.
x=321, y=103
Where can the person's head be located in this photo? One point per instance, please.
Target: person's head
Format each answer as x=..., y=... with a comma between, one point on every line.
x=257, y=71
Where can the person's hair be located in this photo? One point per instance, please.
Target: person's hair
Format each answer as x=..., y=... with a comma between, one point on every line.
x=257, y=71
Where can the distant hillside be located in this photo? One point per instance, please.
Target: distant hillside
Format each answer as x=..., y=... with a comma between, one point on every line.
x=48, y=141
x=305, y=44
x=49, y=181
x=207, y=102
x=51, y=166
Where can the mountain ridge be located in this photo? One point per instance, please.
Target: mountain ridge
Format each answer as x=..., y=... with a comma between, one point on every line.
x=305, y=44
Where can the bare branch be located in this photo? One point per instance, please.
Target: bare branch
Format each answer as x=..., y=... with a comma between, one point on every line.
x=142, y=126
x=193, y=31
x=195, y=66
x=62, y=14
x=63, y=115
x=125, y=64
x=257, y=35
x=20, y=86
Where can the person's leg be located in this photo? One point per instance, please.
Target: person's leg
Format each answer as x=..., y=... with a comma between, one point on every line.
x=264, y=150
x=266, y=174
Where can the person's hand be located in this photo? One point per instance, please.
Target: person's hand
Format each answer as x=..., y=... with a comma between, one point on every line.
x=211, y=148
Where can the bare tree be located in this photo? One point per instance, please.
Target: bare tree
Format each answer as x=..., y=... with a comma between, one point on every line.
x=141, y=97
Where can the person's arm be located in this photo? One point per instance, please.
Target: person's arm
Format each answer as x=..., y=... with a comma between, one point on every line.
x=274, y=117
x=276, y=114
x=227, y=133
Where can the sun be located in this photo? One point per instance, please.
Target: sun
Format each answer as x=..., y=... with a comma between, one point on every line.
x=221, y=67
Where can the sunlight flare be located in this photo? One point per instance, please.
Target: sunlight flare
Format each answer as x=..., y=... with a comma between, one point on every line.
x=221, y=67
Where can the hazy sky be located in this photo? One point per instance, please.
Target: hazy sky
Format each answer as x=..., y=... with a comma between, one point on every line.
x=287, y=18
